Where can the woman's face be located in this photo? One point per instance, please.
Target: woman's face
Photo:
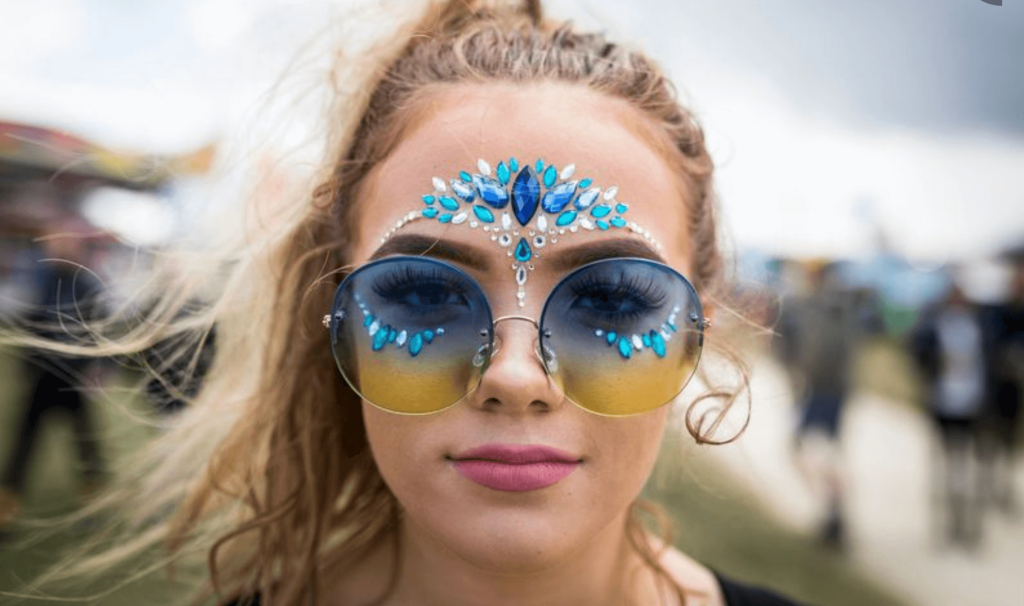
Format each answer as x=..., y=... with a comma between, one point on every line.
x=471, y=511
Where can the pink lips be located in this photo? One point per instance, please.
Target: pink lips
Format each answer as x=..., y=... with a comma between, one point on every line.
x=515, y=468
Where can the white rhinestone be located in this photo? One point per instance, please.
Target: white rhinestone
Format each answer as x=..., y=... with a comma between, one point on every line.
x=374, y=327
x=520, y=275
x=461, y=190
x=493, y=238
x=574, y=228
x=542, y=223
x=521, y=294
x=665, y=334
x=586, y=223
x=473, y=224
x=554, y=240
x=532, y=233
x=515, y=232
x=460, y=218
x=439, y=331
x=539, y=241
x=638, y=343
x=439, y=184
x=483, y=167
x=568, y=171
x=561, y=232
x=400, y=339
x=598, y=333
x=504, y=239
x=506, y=221
x=610, y=192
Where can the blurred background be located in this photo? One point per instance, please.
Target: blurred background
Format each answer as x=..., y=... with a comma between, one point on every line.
x=871, y=174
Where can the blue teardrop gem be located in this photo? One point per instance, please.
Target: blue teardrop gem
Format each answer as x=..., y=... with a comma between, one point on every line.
x=430, y=213
x=550, y=176
x=428, y=199
x=513, y=164
x=610, y=337
x=558, y=197
x=392, y=335
x=368, y=320
x=585, y=183
x=465, y=176
x=380, y=338
x=625, y=347
x=525, y=195
x=523, y=252
x=449, y=203
x=565, y=218
x=647, y=339
x=503, y=174
x=618, y=222
x=621, y=208
x=658, y=344
x=484, y=214
x=415, y=345
x=445, y=218
x=491, y=191
x=428, y=336
x=601, y=210
x=601, y=224
x=540, y=165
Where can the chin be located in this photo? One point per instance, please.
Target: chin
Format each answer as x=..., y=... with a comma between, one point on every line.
x=513, y=542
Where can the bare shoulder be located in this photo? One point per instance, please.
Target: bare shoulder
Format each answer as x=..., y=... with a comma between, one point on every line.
x=697, y=580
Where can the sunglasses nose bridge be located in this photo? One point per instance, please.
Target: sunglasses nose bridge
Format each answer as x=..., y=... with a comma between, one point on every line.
x=498, y=339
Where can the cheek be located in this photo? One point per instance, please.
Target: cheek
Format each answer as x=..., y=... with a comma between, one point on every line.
x=629, y=448
x=396, y=444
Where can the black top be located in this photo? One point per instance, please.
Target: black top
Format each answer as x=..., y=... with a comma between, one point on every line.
x=743, y=595
x=735, y=595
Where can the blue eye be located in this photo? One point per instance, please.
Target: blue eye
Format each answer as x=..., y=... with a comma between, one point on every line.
x=421, y=292
x=622, y=299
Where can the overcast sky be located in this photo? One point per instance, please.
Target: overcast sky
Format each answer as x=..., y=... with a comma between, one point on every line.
x=823, y=116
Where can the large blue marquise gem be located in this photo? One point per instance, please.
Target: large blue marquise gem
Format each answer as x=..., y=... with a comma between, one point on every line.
x=523, y=252
x=491, y=191
x=525, y=195
x=558, y=197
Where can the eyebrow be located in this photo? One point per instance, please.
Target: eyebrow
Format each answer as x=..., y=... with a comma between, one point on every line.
x=566, y=259
x=431, y=246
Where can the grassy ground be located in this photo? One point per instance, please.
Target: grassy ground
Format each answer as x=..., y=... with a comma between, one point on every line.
x=717, y=521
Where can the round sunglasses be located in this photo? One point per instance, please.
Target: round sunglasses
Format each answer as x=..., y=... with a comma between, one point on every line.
x=414, y=335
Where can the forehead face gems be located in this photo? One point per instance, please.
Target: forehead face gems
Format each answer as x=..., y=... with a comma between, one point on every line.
x=524, y=209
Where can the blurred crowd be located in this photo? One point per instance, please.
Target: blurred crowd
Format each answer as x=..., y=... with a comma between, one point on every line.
x=967, y=359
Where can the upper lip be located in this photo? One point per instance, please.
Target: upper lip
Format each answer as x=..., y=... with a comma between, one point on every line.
x=516, y=454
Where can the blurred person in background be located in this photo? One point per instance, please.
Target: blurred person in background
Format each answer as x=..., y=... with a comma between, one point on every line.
x=947, y=344
x=65, y=299
x=820, y=331
x=1004, y=326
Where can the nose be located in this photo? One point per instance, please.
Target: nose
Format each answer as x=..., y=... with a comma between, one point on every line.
x=516, y=380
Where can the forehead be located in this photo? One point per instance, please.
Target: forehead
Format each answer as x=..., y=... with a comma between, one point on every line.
x=556, y=125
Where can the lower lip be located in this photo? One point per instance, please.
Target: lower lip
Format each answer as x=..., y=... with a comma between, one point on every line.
x=509, y=477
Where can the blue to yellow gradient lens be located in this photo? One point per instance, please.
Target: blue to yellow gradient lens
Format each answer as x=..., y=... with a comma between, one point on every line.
x=410, y=335
x=622, y=336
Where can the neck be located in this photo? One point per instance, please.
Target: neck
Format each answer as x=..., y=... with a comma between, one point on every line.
x=599, y=573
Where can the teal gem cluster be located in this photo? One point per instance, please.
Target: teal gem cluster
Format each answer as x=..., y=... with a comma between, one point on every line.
x=383, y=334
x=653, y=340
x=524, y=207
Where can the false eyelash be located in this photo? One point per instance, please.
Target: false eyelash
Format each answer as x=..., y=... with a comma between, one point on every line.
x=646, y=290
x=400, y=280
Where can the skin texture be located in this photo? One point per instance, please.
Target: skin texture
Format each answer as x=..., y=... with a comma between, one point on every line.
x=463, y=543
